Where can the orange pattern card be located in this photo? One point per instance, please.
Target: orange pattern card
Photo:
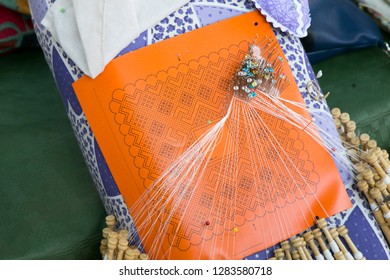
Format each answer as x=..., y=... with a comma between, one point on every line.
x=205, y=174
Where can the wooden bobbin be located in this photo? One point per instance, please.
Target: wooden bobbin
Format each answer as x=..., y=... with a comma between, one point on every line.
x=335, y=235
x=369, y=177
x=381, y=185
x=297, y=244
x=123, y=234
x=376, y=176
x=295, y=255
x=110, y=221
x=344, y=118
x=350, y=126
x=339, y=256
x=111, y=245
x=338, y=125
x=272, y=259
x=318, y=236
x=122, y=247
x=143, y=257
x=286, y=248
x=372, y=159
x=377, y=195
x=113, y=234
x=355, y=142
x=371, y=144
x=279, y=254
x=103, y=246
x=359, y=177
x=359, y=167
x=132, y=254
x=343, y=231
x=309, y=238
x=383, y=162
x=335, y=112
x=364, y=138
x=322, y=224
x=349, y=136
x=105, y=232
x=363, y=187
x=385, y=155
x=307, y=253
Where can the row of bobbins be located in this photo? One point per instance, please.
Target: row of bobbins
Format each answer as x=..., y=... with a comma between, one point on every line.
x=312, y=246
x=115, y=244
x=372, y=166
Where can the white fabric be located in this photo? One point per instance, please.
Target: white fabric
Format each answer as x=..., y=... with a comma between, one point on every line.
x=93, y=32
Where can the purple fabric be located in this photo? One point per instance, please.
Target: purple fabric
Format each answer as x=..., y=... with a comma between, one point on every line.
x=292, y=16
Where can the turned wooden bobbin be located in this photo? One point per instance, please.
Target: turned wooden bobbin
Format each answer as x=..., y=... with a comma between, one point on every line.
x=376, y=210
x=385, y=155
x=382, y=186
x=309, y=238
x=103, y=246
x=364, y=138
x=377, y=195
x=113, y=234
x=105, y=232
x=344, y=118
x=286, y=248
x=349, y=136
x=335, y=112
x=343, y=231
x=350, y=126
x=279, y=254
x=338, y=125
x=143, y=257
x=111, y=245
x=132, y=254
x=369, y=177
x=335, y=235
x=322, y=224
x=339, y=256
x=307, y=253
x=122, y=247
x=110, y=221
x=359, y=167
x=372, y=159
x=359, y=177
x=297, y=244
x=318, y=236
x=371, y=144
x=383, y=162
x=123, y=233
x=355, y=142
x=272, y=259
x=295, y=255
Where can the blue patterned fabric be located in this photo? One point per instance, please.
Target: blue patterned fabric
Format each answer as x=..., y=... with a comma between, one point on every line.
x=196, y=14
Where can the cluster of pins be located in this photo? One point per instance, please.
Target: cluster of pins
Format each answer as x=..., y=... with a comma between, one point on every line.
x=372, y=166
x=115, y=244
x=261, y=70
x=322, y=243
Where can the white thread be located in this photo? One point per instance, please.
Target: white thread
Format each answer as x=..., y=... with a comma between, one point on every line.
x=328, y=255
x=387, y=180
x=374, y=206
x=387, y=215
x=348, y=256
x=358, y=255
x=334, y=247
x=319, y=257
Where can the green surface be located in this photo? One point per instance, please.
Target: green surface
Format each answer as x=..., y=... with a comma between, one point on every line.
x=49, y=207
x=359, y=83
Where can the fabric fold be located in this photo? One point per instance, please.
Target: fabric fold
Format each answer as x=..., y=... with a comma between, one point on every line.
x=93, y=32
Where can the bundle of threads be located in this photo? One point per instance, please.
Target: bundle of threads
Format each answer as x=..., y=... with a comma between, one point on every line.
x=258, y=73
x=311, y=245
x=115, y=244
x=372, y=167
